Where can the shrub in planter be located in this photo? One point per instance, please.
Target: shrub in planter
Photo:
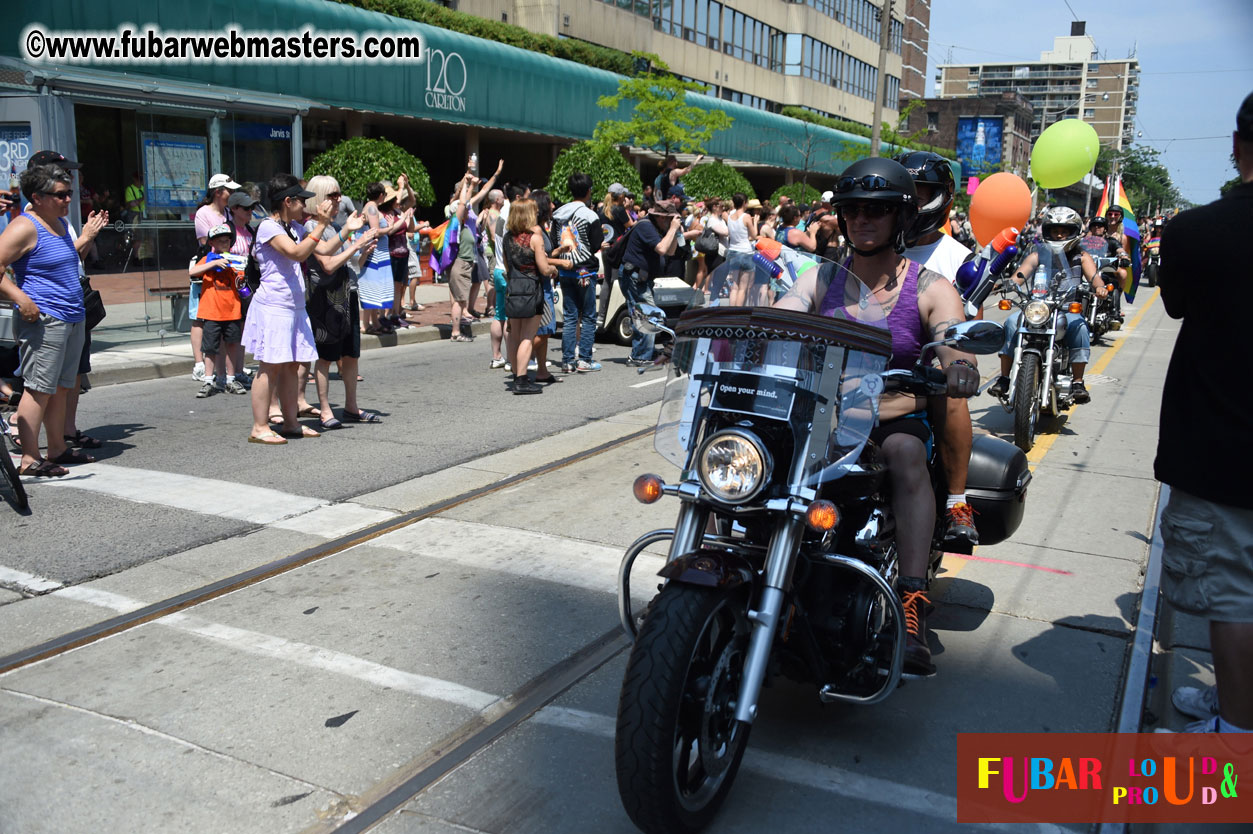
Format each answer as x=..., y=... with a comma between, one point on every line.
x=355, y=163
x=603, y=162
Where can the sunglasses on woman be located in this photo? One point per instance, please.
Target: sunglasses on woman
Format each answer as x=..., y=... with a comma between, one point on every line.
x=59, y=195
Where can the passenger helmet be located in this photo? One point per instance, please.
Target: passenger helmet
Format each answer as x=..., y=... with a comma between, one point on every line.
x=879, y=180
x=1059, y=220
x=933, y=169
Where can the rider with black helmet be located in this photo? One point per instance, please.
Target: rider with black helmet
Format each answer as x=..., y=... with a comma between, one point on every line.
x=933, y=178
x=876, y=203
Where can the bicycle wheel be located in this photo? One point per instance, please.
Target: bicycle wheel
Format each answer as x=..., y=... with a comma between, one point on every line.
x=10, y=474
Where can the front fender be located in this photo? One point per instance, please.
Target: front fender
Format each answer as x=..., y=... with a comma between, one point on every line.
x=710, y=568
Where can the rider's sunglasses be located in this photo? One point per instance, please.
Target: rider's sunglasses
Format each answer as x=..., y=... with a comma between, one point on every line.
x=871, y=211
x=870, y=182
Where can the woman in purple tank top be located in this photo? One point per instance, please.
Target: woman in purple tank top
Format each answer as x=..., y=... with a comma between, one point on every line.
x=876, y=201
x=50, y=323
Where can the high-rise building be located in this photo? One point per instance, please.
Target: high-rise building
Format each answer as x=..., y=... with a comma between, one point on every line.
x=819, y=54
x=1070, y=81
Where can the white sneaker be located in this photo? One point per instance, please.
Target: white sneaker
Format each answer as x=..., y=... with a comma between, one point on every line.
x=197, y=372
x=496, y=364
x=1197, y=703
x=1205, y=725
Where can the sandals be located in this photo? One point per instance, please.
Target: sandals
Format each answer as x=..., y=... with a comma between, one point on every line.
x=43, y=469
x=83, y=441
x=362, y=417
x=303, y=432
x=265, y=440
x=309, y=411
x=73, y=456
x=330, y=425
x=458, y=337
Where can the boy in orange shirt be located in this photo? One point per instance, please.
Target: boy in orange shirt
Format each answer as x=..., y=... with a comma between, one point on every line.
x=220, y=310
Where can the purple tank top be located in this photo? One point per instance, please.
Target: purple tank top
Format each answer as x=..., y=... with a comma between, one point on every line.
x=903, y=322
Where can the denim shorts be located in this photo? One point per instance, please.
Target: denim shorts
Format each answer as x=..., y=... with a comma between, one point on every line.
x=193, y=301
x=50, y=351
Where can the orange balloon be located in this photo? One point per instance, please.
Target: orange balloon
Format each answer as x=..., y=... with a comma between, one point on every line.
x=1001, y=200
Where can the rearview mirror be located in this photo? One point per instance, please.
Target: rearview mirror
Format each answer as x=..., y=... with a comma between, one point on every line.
x=650, y=319
x=978, y=337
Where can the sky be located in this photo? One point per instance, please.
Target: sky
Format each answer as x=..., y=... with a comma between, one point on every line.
x=1196, y=66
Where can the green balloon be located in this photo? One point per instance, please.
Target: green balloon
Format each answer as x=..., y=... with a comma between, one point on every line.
x=1065, y=151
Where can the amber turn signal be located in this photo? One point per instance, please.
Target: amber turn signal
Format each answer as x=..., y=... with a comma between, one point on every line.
x=1075, y=307
x=1003, y=304
x=822, y=516
x=647, y=488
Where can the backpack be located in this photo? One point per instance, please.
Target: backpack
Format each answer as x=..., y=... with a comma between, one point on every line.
x=661, y=185
x=617, y=250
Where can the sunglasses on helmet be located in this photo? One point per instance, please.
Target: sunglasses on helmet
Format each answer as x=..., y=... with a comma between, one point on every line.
x=870, y=182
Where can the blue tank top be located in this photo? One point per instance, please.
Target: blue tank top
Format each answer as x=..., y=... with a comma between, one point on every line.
x=49, y=274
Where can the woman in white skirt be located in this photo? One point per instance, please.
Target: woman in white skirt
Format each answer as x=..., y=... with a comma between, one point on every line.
x=277, y=331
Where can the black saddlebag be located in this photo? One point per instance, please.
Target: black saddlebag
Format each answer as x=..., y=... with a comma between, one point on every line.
x=996, y=487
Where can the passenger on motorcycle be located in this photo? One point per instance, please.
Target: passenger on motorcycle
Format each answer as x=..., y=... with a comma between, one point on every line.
x=1152, y=241
x=1060, y=231
x=1095, y=243
x=933, y=179
x=876, y=202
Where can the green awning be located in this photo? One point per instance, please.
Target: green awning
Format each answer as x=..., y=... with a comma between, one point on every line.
x=462, y=80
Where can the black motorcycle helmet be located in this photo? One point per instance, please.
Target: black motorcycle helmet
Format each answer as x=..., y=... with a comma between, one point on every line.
x=933, y=169
x=873, y=180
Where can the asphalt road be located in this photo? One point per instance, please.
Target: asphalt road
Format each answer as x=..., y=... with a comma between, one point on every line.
x=440, y=403
x=297, y=704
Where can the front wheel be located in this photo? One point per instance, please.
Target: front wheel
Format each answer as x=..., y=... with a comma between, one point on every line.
x=1027, y=402
x=1150, y=273
x=678, y=746
x=10, y=474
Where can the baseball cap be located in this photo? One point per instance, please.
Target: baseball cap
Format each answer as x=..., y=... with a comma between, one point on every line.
x=219, y=230
x=617, y=188
x=1244, y=119
x=241, y=198
x=53, y=158
x=222, y=180
x=828, y=196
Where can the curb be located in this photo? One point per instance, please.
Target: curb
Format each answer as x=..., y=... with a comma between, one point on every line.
x=139, y=370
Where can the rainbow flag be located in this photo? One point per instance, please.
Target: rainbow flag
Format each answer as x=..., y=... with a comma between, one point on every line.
x=443, y=245
x=1115, y=194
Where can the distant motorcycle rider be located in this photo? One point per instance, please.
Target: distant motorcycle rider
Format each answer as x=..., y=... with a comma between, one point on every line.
x=1060, y=231
x=933, y=179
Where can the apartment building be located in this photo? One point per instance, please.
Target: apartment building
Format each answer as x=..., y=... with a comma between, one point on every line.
x=1072, y=80
x=819, y=54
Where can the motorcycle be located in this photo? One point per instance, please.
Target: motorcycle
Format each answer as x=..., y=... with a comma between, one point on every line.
x=1104, y=315
x=1151, y=265
x=1040, y=377
x=783, y=559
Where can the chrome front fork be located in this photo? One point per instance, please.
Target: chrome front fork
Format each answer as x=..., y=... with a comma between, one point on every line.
x=780, y=559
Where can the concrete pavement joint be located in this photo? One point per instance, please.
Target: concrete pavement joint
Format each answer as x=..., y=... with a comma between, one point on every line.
x=1107, y=632
x=132, y=724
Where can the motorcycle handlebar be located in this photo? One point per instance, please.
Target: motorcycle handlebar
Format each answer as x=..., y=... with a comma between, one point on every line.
x=921, y=382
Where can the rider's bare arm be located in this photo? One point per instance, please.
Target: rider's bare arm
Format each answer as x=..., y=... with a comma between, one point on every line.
x=1026, y=268
x=804, y=296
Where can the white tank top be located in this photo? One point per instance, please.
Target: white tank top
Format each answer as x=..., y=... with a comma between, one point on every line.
x=738, y=235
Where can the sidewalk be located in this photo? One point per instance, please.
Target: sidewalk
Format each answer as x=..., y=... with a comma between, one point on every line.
x=129, y=352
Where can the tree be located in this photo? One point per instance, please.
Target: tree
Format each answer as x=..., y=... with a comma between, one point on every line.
x=716, y=179
x=800, y=193
x=661, y=118
x=604, y=164
x=1146, y=181
x=355, y=163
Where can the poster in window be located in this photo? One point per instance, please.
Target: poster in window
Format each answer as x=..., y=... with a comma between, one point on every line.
x=176, y=170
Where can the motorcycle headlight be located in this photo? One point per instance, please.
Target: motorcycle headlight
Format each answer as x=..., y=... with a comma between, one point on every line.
x=1036, y=313
x=733, y=465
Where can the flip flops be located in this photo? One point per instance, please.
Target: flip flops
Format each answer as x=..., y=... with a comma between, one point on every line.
x=265, y=440
x=362, y=417
x=304, y=431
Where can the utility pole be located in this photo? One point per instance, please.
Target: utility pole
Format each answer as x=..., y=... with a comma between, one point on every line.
x=885, y=37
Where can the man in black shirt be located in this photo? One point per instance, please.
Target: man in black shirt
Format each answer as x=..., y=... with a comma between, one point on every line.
x=1205, y=445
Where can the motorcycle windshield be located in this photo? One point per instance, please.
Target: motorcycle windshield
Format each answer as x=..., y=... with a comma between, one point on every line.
x=786, y=342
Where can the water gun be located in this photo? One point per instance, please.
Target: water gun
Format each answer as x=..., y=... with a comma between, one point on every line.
x=977, y=277
x=775, y=259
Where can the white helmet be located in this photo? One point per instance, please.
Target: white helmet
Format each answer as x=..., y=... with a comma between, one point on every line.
x=1061, y=229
